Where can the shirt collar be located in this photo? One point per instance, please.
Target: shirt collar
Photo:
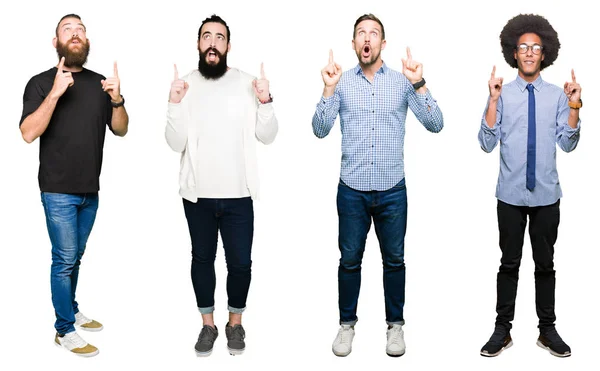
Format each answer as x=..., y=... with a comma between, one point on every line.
x=383, y=69
x=522, y=84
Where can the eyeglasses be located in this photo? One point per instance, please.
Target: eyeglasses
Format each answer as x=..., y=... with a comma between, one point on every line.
x=535, y=48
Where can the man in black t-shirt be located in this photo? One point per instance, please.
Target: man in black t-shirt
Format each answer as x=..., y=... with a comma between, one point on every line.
x=69, y=107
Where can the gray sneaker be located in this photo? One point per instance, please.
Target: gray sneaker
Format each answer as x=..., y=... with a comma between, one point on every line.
x=206, y=340
x=235, y=339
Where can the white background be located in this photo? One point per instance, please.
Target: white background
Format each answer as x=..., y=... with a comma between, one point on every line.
x=135, y=276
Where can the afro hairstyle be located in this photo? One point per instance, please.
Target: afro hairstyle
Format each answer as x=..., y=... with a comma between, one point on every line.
x=529, y=23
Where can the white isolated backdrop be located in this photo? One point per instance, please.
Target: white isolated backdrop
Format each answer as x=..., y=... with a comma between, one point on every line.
x=135, y=275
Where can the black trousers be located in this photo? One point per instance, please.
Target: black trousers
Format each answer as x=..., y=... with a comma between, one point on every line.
x=543, y=230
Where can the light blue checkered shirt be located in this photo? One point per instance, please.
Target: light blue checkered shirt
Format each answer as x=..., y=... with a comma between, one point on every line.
x=372, y=117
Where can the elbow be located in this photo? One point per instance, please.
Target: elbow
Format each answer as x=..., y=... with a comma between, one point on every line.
x=319, y=133
x=28, y=137
x=437, y=128
x=122, y=132
x=486, y=149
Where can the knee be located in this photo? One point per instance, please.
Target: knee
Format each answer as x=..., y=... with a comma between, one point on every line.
x=350, y=264
x=394, y=263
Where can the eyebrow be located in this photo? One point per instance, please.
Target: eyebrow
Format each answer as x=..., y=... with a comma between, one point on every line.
x=69, y=23
x=363, y=29
x=208, y=32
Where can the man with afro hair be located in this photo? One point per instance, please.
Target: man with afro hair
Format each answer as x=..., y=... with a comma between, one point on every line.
x=529, y=116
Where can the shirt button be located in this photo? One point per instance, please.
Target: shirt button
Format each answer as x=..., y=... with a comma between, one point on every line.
x=373, y=111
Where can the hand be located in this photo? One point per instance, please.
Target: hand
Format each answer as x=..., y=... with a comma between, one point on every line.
x=112, y=85
x=62, y=80
x=413, y=70
x=332, y=72
x=178, y=88
x=261, y=86
x=573, y=89
x=495, y=85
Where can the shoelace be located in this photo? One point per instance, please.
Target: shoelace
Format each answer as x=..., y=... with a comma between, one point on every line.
x=345, y=334
x=75, y=339
x=237, y=333
x=82, y=318
x=205, y=334
x=395, y=334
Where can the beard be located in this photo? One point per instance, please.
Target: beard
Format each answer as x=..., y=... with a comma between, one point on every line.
x=212, y=70
x=73, y=58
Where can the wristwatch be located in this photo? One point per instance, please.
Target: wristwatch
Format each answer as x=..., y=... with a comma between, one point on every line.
x=270, y=100
x=119, y=104
x=419, y=84
x=576, y=105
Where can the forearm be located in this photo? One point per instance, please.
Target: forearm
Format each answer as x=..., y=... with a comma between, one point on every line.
x=490, y=114
x=266, y=123
x=120, y=121
x=176, y=132
x=427, y=110
x=325, y=114
x=36, y=123
x=573, y=118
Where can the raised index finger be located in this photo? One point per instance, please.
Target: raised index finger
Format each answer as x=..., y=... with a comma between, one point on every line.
x=494, y=72
x=60, y=66
x=262, y=70
x=176, y=77
x=115, y=69
x=573, y=75
x=408, y=55
x=330, y=56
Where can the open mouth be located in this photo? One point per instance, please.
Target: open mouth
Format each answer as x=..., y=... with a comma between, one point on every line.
x=366, y=52
x=211, y=56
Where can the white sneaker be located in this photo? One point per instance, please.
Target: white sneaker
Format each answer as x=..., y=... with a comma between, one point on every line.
x=75, y=344
x=87, y=324
x=342, y=345
x=395, y=341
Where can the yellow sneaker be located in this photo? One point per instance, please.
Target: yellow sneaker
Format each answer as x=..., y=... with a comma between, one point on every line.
x=75, y=344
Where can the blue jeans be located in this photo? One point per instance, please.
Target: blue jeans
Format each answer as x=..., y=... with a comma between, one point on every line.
x=69, y=219
x=388, y=210
x=234, y=218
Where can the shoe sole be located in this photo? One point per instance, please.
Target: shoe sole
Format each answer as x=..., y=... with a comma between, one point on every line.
x=541, y=345
x=90, y=329
x=85, y=355
x=396, y=355
x=498, y=352
x=203, y=354
x=339, y=354
x=236, y=352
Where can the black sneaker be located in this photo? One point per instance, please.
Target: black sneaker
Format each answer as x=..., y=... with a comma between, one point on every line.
x=207, y=338
x=499, y=341
x=551, y=341
x=235, y=339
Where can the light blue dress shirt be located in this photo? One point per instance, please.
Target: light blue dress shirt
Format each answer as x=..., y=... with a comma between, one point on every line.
x=510, y=128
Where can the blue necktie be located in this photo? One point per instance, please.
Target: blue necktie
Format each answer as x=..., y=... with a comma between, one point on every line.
x=531, y=140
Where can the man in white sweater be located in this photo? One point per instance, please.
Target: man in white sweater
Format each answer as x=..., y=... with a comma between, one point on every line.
x=215, y=115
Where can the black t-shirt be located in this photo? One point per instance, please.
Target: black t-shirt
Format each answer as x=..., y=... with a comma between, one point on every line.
x=71, y=147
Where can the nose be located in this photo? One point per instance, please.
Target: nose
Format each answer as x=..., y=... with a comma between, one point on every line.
x=529, y=51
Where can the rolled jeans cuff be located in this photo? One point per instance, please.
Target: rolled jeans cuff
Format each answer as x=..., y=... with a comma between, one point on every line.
x=235, y=310
x=206, y=310
x=349, y=323
x=401, y=323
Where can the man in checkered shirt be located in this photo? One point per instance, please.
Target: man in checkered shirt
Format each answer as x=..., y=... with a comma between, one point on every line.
x=372, y=101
